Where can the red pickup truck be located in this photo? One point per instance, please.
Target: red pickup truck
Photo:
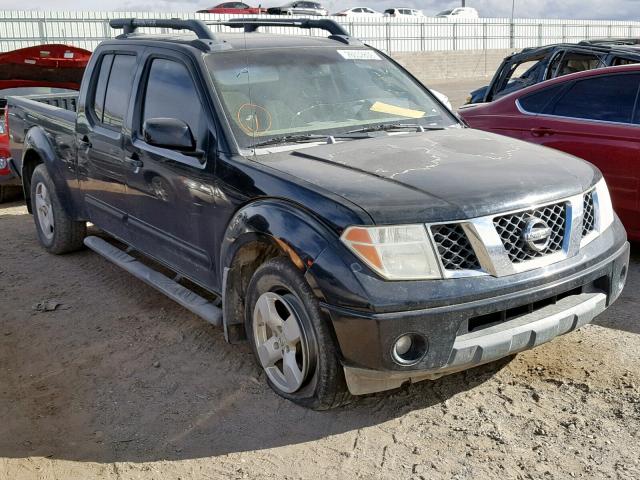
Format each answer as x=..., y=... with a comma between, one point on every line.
x=237, y=8
x=28, y=71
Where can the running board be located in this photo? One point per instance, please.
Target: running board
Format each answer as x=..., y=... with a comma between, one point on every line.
x=172, y=289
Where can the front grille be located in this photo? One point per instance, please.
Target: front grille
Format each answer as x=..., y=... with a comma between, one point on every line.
x=511, y=230
x=454, y=248
x=588, y=215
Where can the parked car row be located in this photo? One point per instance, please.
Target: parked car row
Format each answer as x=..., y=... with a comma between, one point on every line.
x=316, y=9
x=320, y=203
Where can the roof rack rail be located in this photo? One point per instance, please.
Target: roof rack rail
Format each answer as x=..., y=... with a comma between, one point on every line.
x=611, y=41
x=130, y=25
x=252, y=24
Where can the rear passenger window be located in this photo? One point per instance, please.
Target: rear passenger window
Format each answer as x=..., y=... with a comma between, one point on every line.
x=608, y=98
x=536, y=102
x=101, y=86
x=171, y=93
x=119, y=90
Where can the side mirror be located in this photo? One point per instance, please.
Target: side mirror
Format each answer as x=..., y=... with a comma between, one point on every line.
x=169, y=133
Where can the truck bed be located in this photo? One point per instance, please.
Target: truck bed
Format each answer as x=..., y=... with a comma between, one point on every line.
x=54, y=114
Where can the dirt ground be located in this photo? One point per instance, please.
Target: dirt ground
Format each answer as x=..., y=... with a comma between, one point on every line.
x=119, y=382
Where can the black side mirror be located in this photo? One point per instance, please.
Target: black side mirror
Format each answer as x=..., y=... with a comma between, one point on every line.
x=169, y=133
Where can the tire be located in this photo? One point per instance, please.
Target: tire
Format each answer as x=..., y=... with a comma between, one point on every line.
x=320, y=383
x=57, y=232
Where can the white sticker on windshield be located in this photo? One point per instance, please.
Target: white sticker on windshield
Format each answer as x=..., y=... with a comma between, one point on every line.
x=359, y=55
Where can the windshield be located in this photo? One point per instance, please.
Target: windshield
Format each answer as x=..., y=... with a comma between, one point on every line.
x=273, y=93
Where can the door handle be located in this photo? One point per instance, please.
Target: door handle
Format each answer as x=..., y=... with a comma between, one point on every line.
x=85, y=142
x=542, y=131
x=135, y=162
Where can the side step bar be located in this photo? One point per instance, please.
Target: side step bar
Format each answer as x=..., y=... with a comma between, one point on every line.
x=172, y=289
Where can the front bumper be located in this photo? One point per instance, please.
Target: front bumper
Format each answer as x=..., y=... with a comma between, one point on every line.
x=532, y=315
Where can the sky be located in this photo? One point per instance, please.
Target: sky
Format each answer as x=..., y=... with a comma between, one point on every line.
x=576, y=9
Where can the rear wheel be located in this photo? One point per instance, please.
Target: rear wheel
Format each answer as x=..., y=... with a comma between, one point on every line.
x=58, y=233
x=290, y=339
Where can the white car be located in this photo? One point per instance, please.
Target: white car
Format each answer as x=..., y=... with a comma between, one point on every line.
x=443, y=98
x=460, y=12
x=403, y=12
x=359, y=12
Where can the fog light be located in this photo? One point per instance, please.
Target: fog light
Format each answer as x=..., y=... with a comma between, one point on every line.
x=623, y=278
x=403, y=344
x=409, y=349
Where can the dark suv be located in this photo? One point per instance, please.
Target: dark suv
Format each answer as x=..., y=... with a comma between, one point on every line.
x=310, y=195
x=535, y=65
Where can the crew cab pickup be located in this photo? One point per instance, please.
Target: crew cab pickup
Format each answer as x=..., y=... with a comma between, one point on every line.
x=309, y=195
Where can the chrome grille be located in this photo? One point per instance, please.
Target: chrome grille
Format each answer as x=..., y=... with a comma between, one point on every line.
x=511, y=229
x=588, y=214
x=454, y=248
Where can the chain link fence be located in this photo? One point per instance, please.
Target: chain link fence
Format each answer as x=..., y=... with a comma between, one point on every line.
x=86, y=29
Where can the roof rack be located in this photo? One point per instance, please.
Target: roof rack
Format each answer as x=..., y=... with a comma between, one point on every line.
x=612, y=41
x=252, y=24
x=130, y=25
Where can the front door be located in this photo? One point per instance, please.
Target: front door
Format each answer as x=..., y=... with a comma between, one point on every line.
x=174, y=213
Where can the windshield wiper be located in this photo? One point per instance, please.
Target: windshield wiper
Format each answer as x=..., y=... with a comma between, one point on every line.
x=311, y=138
x=389, y=127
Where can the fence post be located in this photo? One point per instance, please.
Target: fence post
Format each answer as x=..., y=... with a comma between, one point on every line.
x=484, y=36
x=423, y=40
x=512, y=34
x=609, y=28
x=539, y=34
x=455, y=36
x=564, y=33
x=42, y=31
x=388, y=30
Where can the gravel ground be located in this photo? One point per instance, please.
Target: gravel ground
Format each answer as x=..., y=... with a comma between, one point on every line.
x=116, y=381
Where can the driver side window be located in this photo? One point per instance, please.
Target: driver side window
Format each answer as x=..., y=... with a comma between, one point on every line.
x=171, y=93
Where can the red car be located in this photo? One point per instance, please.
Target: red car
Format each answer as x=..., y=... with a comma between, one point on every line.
x=34, y=70
x=234, y=8
x=594, y=115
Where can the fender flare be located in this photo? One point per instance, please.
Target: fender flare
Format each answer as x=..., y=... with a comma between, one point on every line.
x=36, y=142
x=279, y=224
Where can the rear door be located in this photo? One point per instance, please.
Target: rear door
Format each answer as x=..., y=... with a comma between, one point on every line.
x=594, y=119
x=174, y=214
x=101, y=159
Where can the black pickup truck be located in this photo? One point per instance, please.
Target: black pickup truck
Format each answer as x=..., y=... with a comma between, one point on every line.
x=308, y=194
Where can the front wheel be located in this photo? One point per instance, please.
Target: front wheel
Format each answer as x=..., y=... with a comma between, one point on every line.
x=291, y=340
x=57, y=231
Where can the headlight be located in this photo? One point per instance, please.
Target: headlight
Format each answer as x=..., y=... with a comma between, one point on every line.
x=605, y=209
x=3, y=163
x=401, y=252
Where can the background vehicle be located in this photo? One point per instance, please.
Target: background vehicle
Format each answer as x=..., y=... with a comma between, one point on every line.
x=234, y=8
x=42, y=69
x=299, y=8
x=593, y=115
x=460, y=12
x=359, y=12
x=403, y=12
x=318, y=201
x=534, y=65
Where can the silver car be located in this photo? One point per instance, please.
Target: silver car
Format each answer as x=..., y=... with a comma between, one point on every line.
x=299, y=8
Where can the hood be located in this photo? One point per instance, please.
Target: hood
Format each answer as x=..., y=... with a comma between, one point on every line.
x=438, y=175
x=54, y=65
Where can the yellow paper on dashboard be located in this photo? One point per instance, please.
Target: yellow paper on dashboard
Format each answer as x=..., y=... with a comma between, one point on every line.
x=381, y=107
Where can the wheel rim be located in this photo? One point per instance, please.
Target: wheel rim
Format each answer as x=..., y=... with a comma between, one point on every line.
x=44, y=211
x=279, y=339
